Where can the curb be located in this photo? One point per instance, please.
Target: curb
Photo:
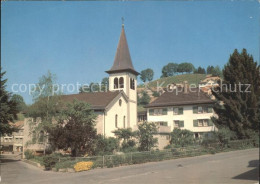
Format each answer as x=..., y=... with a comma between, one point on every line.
x=33, y=163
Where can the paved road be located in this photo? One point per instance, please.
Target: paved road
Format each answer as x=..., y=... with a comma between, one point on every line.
x=232, y=167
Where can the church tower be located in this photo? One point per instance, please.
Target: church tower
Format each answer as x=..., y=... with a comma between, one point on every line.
x=122, y=76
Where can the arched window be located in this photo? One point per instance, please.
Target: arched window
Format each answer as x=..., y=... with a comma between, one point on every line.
x=41, y=137
x=120, y=102
x=121, y=82
x=115, y=83
x=131, y=83
x=116, y=120
x=124, y=121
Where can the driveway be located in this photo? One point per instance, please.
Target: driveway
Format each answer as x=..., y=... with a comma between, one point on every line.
x=232, y=167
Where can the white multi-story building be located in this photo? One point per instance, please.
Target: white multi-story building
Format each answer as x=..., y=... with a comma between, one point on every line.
x=181, y=108
x=14, y=141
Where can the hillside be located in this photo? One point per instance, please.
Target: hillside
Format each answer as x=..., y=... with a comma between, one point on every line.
x=190, y=78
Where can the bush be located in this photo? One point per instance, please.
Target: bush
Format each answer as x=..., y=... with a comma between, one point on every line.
x=83, y=166
x=224, y=135
x=65, y=164
x=49, y=161
x=28, y=154
x=129, y=146
x=181, y=137
x=105, y=146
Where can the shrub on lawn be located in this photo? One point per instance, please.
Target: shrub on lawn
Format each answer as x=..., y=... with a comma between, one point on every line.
x=49, y=161
x=28, y=154
x=83, y=166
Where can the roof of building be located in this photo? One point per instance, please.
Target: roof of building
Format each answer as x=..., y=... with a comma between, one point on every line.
x=122, y=60
x=19, y=124
x=97, y=100
x=175, y=98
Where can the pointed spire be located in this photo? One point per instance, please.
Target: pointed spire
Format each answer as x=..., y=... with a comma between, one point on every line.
x=122, y=60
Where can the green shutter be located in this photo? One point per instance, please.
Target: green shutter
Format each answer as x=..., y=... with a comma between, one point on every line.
x=151, y=112
x=181, y=123
x=195, y=123
x=210, y=122
x=164, y=111
x=195, y=109
x=210, y=109
x=180, y=111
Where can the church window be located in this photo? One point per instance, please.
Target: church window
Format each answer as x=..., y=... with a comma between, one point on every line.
x=116, y=121
x=124, y=121
x=132, y=83
x=120, y=102
x=115, y=83
x=121, y=82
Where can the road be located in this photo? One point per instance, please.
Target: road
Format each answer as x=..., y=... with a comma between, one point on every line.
x=231, y=167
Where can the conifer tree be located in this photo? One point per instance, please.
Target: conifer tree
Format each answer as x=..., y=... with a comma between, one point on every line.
x=8, y=108
x=239, y=96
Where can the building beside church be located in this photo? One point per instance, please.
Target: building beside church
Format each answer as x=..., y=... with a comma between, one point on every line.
x=182, y=108
x=14, y=141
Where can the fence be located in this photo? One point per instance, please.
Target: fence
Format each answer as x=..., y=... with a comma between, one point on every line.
x=151, y=156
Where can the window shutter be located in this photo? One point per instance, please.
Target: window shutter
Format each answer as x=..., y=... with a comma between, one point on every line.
x=151, y=112
x=210, y=109
x=195, y=109
x=210, y=122
x=181, y=123
x=195, y=123
x=164, y=111
x=180, y=111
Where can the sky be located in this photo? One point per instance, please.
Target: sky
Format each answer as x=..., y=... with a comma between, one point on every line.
x=77, y=41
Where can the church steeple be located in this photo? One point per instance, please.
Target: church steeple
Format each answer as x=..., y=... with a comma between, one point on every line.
x=122, y=62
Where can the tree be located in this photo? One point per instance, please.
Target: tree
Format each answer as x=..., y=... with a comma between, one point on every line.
x=75, y=129
x=127, y=135
x=124, y=133
x=18, y=99
x=169, y=70
x=8, y=108
x=210, y=69
x=181, y=137
x=185, y=67
x=147, y=75
x=216, y=71
x=145, y=136
x=46, y=102
x=200, y=70
x=105, y=84
x=144, y=99
x=239, y=93
x=105, y=145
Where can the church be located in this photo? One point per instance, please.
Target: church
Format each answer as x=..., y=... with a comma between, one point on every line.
x=116, y=108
